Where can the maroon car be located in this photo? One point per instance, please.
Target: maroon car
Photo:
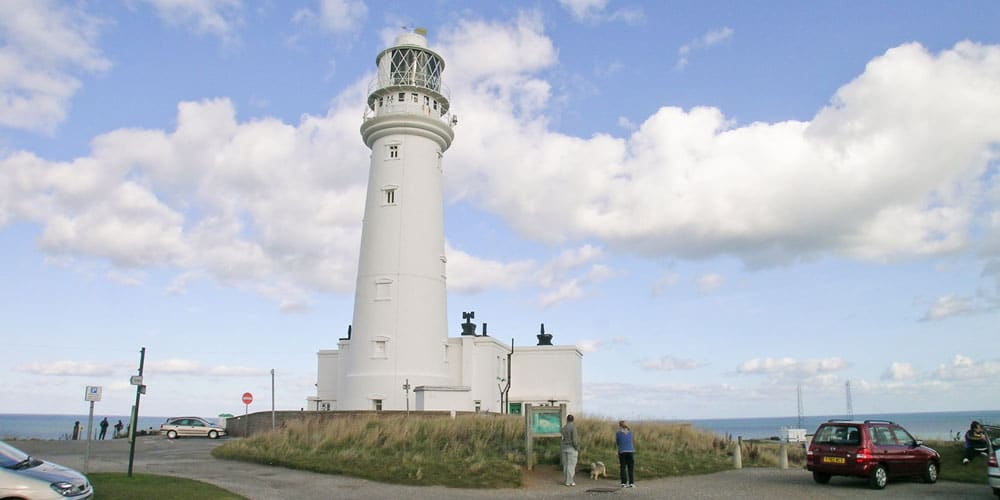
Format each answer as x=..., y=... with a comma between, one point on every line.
x=872, y=449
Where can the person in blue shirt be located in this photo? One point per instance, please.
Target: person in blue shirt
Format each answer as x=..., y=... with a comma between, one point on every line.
x=626, y=455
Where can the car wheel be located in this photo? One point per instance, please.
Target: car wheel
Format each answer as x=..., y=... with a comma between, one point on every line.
x=878, y=478
x=171, y=434
x=821, y=477
x=931, y=473
x=215, y=435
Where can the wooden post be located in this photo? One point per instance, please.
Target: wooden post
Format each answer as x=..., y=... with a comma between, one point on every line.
x=528, y=452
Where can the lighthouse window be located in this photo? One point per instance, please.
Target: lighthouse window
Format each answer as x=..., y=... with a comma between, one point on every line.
x=390, y=196
x=380, y=102
x=393, y=151
x=377, y=404
x=415, y=98
x=435, y=104
x=427, y=101
x=383, y=289
x=402, y=97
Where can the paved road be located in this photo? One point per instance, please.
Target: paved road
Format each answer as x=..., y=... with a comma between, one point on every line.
x=191, y=458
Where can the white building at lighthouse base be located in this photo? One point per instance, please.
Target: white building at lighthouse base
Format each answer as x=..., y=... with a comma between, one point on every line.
x=477, y=373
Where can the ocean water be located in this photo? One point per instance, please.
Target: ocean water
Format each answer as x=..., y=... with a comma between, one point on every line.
x=930, y=425
x=24, y=426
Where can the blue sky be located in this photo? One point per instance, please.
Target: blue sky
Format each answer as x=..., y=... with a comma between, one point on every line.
x=716, y=201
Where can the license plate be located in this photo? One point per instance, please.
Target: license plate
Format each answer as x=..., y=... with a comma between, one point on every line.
x=833, y=460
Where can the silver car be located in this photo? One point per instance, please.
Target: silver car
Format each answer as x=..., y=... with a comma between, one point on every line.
x=176, y=427
x=24, y=476
x=993, y=459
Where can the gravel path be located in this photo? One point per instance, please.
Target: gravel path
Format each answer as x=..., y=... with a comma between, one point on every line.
x=191, y=458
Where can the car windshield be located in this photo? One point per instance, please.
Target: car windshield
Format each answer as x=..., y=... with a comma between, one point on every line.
x=838, y=434
x=11, y=457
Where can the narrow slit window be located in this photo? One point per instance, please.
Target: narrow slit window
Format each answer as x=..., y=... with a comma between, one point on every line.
x=415, y=98
x=402, y=97
x=393, y=151
x=390, y=196
x=427, y=101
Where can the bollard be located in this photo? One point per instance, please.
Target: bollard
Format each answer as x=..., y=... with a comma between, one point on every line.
x=738, y=454
x=783, y=456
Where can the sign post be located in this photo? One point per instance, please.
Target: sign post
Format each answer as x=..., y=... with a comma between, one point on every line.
x=140, y=389
x=93, y=395
x=247, y=399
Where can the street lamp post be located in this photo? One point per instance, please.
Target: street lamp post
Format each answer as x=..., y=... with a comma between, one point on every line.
x=406, y=387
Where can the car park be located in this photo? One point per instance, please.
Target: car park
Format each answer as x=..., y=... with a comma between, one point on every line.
x=993, y=458
x=877, y=450
x=23, y=476
x=176, y=427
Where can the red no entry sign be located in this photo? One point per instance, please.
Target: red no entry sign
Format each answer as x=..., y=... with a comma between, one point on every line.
x=247, y=398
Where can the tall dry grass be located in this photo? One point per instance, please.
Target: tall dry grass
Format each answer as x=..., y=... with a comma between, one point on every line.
x=471, y=451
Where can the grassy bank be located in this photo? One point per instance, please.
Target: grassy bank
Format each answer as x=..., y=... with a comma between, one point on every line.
x=951, y=463
x=118, y=486
x=468, y=451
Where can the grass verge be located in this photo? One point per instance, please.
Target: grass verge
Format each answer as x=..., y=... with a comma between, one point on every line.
x=951, y=463
x=118, y=486
x=472, y=451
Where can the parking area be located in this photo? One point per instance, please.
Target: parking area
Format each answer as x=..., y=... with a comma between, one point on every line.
x=191, y=458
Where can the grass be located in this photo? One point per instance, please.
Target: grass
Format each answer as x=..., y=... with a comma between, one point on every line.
x=951, y=463
x=117, y=485
x=468, y=451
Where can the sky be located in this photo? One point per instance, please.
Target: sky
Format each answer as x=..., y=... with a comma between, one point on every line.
x=717, y=202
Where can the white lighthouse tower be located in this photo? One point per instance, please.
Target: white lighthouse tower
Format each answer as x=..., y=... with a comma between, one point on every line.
x=399, y=333
x=398, y=355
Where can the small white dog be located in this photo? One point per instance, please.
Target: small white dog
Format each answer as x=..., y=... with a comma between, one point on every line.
x=597, y=469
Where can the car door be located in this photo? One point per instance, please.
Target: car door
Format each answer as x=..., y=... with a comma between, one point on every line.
x=885, y=448
x=912, y=459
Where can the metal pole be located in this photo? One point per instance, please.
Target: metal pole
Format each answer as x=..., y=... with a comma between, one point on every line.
x=135, y=414
x=246, y=421
x=272, y=399
x=90, y=425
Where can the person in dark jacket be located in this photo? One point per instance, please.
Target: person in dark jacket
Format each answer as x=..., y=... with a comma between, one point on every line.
x=104, y=428
x=975, y=442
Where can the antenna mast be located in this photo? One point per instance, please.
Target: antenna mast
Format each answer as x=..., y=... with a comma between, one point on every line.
x=850, y=402
x=798, y=389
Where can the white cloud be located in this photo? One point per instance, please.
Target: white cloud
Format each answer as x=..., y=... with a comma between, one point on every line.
x=221, y=18
x=908, y=142
x=590, y=345
x=68, y=368
x=710, y=282
x=192, y=367
x=790, y=367
x=46, y=47
x=709, y=39
x=335, y=16
x=275, y=207
x=963, y=369
x=899, y=371
x=949, y=305
x=670, y=363
x=595, y=11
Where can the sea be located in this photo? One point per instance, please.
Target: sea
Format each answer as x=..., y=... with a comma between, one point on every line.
x=27, y=426
x=943, y=425
x=946, y=425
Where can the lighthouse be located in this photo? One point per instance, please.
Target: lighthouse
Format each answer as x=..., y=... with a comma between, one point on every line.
x=399, y=333
x=397, y=354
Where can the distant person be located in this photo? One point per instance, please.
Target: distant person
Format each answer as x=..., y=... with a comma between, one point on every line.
x=626, y=455
x=76, y=430
x=118, y=428
x=975, y=442
x=104, y=428
x=570, y=446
